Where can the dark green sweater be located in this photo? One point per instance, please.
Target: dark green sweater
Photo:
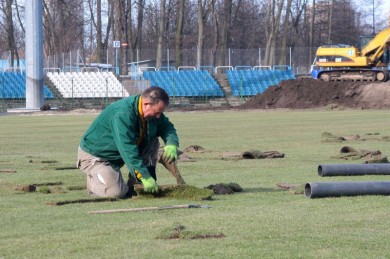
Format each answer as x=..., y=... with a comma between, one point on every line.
x=114, y=134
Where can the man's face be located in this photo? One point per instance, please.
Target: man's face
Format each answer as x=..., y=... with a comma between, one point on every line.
x=153, y=110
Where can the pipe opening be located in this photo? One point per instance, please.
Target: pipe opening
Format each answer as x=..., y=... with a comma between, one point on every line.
x=308, y=190
x=319, y=170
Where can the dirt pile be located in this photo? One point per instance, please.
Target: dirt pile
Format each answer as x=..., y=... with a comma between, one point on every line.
x=309, y=93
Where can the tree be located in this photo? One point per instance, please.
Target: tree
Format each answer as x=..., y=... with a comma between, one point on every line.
x=123, y=31
x=179, y=32
x=225, y=31
x=273, y=22
x=311, y=32
x=299, y=23
x=63, y=26
x=140, y=19
x=215, y=26
x=95, y=10
x=203, y=12
x=283, y=50
x=330, y=20
x=161, y=34
x=9, y=29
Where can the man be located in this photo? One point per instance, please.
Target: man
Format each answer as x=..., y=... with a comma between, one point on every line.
x=126, y=132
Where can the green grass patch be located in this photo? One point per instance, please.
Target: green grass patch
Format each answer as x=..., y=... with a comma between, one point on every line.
x=180, y=232
x=178, y=192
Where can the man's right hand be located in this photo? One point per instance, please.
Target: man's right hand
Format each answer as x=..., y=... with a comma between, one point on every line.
x=150, y=185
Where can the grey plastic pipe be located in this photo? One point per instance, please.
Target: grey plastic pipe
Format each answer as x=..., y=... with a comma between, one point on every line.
x=353, y=169
x=337, y=189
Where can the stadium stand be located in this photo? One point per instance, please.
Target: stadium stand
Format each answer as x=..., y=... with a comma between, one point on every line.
x=248, y=81
x=181, y=82
x=13, y=86
x=185, y=83
x=283, y=72
x=87, y=84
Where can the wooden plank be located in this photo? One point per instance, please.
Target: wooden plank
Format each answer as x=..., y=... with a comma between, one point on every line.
x=148, y=209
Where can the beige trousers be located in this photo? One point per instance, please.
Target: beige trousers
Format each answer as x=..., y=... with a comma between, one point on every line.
x=105, y=179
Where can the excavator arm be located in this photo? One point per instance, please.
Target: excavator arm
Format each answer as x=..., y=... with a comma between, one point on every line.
x=376, y=47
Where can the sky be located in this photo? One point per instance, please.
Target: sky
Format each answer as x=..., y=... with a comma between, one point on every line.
x=382, y=12
x=386, y=4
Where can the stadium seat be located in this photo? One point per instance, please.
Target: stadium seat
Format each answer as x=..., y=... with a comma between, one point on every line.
x=188, y=83
x=86, y=84
x=13, y=86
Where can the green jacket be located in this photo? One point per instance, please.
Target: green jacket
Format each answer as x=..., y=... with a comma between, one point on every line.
x=114, y=134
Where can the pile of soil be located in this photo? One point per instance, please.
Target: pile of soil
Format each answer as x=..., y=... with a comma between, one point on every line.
x=304, y=93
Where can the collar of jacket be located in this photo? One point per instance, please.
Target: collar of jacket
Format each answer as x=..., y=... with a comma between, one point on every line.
x=143, y=121
x=140, y=111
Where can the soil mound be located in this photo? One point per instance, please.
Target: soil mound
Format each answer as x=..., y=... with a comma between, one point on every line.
x=310, y=93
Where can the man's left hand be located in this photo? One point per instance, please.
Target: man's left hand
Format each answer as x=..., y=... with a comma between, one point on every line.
x=170, y=153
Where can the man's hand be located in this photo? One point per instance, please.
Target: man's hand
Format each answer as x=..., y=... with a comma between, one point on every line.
x=170, y=153
x=150, y=185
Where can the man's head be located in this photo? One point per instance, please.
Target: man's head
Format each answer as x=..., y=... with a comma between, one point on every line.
x=154, y=101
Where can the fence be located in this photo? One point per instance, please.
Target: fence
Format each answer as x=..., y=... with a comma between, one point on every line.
x=299, y=59
x=113, y=60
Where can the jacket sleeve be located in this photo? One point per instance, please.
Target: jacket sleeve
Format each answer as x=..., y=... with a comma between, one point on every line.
x=123, y=131
x=167, y=131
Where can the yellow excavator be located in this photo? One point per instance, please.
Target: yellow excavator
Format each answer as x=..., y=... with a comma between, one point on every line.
x=344, y=62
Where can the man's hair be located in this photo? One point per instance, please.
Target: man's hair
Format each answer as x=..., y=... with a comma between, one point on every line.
x=156, y=94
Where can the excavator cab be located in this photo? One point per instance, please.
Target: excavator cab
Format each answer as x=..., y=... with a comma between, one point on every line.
x=385, y=59
x=364, y=40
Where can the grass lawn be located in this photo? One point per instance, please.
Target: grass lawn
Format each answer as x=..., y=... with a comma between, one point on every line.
x=263, y=221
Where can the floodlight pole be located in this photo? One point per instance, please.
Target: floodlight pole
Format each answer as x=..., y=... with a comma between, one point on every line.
x=34, y=54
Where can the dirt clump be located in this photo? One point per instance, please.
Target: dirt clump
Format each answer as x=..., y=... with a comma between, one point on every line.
x=26, y=188
x=304, y=93
x=222, y=188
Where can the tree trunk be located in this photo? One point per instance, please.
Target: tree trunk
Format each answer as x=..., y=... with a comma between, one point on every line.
x=110, y=23
x=283, y=48
x=61, y=26
x=161, y=32
x=311, y=34
x=127, y=36
x=216, y=33
x=9, y=27
x=140, y=19
x=268, y=29
x=202, y=17
x=199, y=50
x=225, y=31
x=99, y=44
x=179, y=33
x=18, y=15
x=122, y=11
x=274, y=28
x=330, y=17
x=51, y=37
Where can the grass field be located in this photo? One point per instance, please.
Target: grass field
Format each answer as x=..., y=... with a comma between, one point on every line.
x=264, y=221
